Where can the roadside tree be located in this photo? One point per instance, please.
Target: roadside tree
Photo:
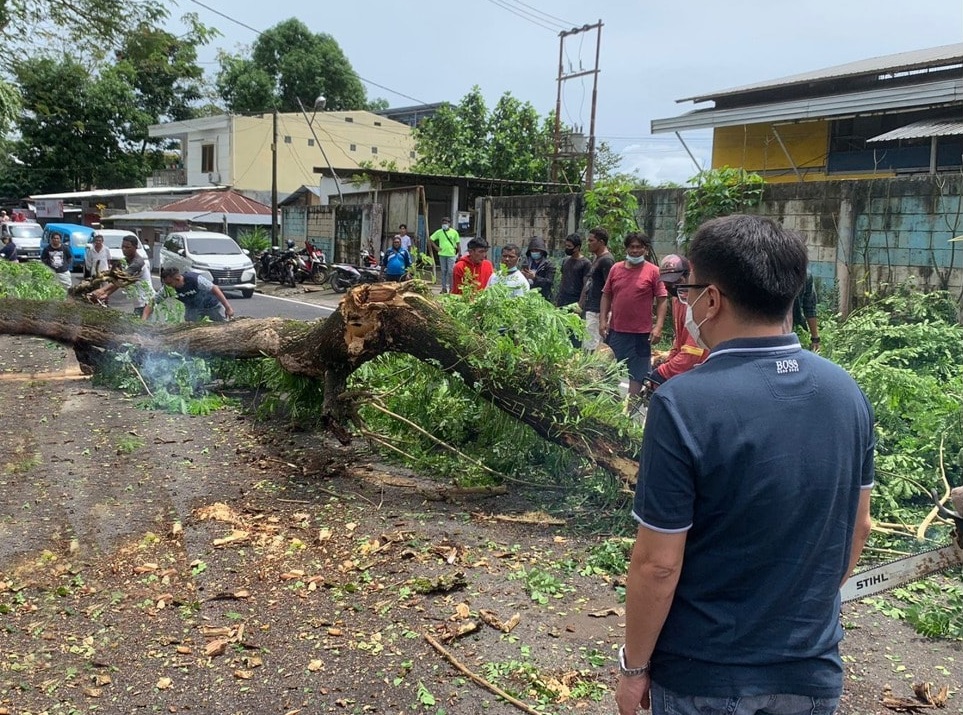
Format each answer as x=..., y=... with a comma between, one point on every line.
x=288, y=62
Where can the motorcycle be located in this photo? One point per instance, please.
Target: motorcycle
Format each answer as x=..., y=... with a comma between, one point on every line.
x=344, y=276
x=269, y=266
x=313, y=266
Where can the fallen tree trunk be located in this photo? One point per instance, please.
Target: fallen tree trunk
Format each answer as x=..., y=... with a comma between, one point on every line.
x=371, y=320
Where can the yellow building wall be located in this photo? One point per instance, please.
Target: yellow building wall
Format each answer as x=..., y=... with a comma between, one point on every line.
x=755, y=147
x=299, y=153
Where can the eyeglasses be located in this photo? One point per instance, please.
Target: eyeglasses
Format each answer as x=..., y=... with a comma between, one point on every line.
x=682, y=289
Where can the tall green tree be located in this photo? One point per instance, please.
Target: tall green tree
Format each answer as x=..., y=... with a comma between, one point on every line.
x=96, y=133
x=162, y=68
x=511, y=142
x=26, y=24
x=289, y=62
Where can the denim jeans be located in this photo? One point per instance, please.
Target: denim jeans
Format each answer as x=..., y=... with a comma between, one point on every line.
x=447, y=267
x=665, y=702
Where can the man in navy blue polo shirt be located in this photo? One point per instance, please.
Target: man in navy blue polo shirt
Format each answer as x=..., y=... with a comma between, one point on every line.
x=752, y=499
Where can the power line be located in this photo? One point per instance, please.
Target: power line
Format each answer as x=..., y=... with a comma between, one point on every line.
x=534, y=19
x=260, y=32
x=565, y=23
x=226, y=17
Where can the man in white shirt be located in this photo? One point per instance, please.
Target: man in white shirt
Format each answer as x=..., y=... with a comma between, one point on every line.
x=511, y=277
x=96, y=257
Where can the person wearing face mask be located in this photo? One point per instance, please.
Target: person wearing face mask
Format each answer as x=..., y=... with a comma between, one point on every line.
x=752, y=500
x=625, y=320
x=446, y=242
x=538, y=268
x=685, y=354
x=575, y=270
x=509, y=275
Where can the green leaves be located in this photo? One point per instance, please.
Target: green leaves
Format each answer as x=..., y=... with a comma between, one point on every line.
x=905, y=350
x=720, y=192
x=510, y=142
x=288, y=62
x=612, y=205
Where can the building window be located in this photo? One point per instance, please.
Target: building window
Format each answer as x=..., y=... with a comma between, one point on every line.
x=349, y=119
x=377, y=124
x=207, y=158
x=352, y=147
x=411, y=154
x=374, y=150
x=310, y=142
x=287, y=139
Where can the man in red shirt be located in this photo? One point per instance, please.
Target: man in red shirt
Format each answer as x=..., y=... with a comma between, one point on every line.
x=473, y=268
x=625, y=320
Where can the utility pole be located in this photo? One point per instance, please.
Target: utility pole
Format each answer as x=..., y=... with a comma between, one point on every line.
x=274, y=178
x=568, y=152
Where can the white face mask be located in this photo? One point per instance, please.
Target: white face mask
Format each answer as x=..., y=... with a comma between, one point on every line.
x=635, y=260
x=444, y=227
x=692, y=326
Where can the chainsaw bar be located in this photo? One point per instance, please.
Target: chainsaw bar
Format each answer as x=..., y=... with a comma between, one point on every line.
x=897, y=573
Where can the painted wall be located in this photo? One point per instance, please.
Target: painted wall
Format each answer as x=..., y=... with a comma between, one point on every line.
x=860, y=234
x=755, y=147
x=243, y=147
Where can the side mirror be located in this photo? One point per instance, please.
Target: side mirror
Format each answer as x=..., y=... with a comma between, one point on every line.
x=181, y=252
x=246, y=252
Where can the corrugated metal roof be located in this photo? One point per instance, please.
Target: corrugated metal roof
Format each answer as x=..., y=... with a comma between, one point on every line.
x=205, y=217
x=220, y=202
x=140, y=191
x=923, y=130
x=932, y=94
x=900, y=62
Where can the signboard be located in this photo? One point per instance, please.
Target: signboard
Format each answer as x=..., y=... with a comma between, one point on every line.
x=49, y=208
x=463, y=221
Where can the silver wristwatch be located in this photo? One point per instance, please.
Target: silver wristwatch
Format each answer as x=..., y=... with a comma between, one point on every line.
x=630, y=672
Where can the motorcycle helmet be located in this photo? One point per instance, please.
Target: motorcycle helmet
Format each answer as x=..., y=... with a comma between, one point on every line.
x=290, y=243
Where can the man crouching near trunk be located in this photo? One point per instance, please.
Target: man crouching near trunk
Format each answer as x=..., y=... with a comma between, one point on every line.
x=752, y=498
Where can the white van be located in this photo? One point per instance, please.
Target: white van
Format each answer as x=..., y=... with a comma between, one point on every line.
x=26, y=237
x=216, y=256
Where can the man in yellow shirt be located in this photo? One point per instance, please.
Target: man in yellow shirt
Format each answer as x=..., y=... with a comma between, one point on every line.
x=447, y=243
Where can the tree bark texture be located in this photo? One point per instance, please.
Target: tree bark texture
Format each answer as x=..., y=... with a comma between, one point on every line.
x=371, y=320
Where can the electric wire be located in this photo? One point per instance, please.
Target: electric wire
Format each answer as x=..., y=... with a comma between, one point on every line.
x=564, y=23
x=261, y=32
x=518, y=13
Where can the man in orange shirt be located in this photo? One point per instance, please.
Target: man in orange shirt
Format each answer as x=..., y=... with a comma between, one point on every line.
x=474, y=267
x=685, y=353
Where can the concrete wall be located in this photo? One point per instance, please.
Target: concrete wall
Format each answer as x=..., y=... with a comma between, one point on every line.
x=515, y=219
x=861, y=234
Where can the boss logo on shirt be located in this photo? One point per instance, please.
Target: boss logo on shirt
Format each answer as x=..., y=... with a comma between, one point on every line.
x=784, y=367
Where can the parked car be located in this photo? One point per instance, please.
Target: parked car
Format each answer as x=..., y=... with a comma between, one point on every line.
x=113, y=237
x=73, y=235
x=215, y=255
x=26, y=237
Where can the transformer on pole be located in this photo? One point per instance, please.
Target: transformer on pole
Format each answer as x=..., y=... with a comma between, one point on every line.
x=572, y=144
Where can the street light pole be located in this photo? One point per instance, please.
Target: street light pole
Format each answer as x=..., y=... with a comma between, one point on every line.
x=274, y=179
x=319, y=105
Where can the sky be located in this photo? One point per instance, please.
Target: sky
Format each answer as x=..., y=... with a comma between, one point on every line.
x=652, y=53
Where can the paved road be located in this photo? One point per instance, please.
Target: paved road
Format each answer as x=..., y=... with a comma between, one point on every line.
x=257, y=306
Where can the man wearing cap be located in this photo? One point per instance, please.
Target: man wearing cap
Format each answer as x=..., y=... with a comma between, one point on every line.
x=96, y=256
x=685, y=353
x=446, y=242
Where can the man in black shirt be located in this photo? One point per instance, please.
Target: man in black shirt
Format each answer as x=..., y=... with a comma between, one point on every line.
x=598, y=244
x=575, y=270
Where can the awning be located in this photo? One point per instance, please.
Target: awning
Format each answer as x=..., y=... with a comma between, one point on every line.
x=924, y=129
